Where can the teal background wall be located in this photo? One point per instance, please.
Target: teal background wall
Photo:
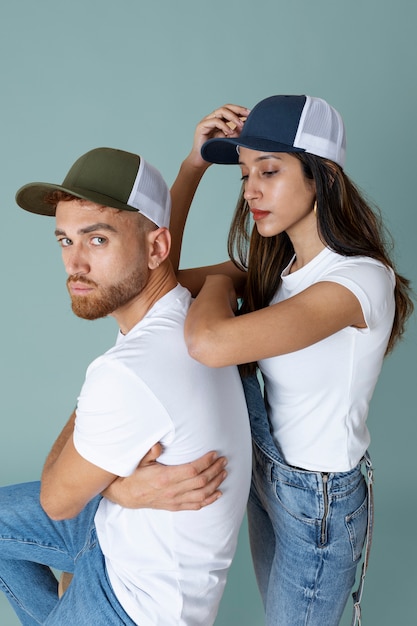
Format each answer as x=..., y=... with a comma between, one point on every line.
x=137, y=75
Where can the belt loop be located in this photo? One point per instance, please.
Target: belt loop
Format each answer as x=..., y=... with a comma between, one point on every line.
x=357, y=595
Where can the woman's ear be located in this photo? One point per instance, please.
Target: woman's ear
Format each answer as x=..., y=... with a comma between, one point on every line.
x=159, y=247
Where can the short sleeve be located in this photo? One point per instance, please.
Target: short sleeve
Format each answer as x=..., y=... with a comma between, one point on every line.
x=118, y=418
x=371, y=282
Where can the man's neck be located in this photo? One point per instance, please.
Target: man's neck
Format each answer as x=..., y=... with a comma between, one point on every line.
x=161, y=281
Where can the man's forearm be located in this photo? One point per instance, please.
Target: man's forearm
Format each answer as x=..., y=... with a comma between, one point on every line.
x=59, y=444
x=69, y=481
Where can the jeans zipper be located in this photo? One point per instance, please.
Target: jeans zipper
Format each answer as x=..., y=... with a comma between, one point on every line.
x=323, y=534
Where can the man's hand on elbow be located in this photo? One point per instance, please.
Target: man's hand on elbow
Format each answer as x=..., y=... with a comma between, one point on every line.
x=190, y=486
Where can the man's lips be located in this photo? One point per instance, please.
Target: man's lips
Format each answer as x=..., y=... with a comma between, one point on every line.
x=79, y=288
x=258, y=214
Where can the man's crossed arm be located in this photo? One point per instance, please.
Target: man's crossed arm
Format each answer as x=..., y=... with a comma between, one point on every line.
x=69, y=481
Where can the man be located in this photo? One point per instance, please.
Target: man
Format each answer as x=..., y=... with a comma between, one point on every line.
x=131, y=566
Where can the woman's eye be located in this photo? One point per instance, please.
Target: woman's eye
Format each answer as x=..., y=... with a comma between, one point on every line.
x=269, y=173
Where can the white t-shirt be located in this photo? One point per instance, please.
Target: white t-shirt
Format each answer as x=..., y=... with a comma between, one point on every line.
x=318, y=398
x=166, y=568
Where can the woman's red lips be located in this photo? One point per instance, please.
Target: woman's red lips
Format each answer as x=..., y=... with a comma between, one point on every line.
x=258, y=214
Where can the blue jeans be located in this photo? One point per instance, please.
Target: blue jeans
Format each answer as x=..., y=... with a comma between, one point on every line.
x=31, y=543
x=307, y=530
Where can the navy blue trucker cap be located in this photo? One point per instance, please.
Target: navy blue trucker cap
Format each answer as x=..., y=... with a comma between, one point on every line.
x=285, y=124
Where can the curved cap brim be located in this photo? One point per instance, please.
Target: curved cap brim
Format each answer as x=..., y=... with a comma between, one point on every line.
x=224, y=151
x=31, y=197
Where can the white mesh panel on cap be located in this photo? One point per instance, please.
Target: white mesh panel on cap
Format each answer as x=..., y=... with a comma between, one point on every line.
x=321, y=131
x=150, y=195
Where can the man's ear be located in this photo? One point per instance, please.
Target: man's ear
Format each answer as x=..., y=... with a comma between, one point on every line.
x=159, y=247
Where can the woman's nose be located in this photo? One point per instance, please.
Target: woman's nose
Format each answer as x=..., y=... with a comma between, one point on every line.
x=251, y=190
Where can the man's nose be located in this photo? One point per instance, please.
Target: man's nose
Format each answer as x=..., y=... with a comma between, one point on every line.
x=75, y=260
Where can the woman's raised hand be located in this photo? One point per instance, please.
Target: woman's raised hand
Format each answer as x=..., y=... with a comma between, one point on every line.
x=226, y=121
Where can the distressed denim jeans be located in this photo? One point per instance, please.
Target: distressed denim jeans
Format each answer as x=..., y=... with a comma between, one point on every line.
x=31, y=543
x=307, y=530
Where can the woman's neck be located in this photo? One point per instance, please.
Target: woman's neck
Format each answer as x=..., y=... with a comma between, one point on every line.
x=305, y=254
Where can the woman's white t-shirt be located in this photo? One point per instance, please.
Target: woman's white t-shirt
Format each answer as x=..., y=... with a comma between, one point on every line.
x=318, y=397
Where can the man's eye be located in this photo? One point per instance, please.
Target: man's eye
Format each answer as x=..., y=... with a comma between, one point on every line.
x=64, y=242
x=98, y=241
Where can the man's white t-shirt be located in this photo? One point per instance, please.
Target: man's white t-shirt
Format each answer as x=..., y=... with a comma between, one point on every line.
x=318, y=398
x=166, y=568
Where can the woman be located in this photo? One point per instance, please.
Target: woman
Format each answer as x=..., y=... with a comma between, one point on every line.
x=322, y=306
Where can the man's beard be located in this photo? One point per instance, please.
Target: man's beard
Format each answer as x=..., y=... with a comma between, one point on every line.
x=105, y=300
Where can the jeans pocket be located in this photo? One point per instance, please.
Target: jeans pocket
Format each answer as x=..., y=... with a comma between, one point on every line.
x=299, y=502
x=356, y=524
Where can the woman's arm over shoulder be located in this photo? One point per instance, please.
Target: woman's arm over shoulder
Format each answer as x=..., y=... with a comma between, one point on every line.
x=217, y=338
x=194, y=278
